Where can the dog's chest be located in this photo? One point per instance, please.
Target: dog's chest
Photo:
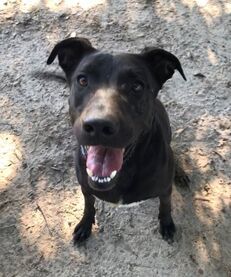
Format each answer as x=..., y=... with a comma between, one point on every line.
x=120, y=203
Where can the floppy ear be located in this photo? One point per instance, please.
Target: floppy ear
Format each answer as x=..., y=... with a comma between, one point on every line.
x=161, y=63
x=70, y=52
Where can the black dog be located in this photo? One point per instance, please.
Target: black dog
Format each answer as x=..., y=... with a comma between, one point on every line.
x=122, y=129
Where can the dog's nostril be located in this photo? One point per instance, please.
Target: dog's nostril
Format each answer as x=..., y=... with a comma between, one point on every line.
x=108, y=130
x=99, y=127
x=88, y=128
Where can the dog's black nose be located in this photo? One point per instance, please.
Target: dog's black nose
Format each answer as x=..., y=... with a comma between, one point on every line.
x=100, y=127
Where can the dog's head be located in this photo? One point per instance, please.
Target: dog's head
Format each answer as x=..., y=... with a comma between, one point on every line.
x=111, y=101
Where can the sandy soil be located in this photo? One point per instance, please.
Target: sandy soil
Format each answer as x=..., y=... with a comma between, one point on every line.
x=40, y=200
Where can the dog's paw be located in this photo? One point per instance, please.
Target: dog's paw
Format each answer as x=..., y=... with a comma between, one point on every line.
x=167, y=231
x=82, y=231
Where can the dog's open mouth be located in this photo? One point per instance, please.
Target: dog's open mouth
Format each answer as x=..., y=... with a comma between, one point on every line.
x=103, y=163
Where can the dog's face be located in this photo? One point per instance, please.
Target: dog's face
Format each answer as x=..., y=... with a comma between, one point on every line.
x=111, y=101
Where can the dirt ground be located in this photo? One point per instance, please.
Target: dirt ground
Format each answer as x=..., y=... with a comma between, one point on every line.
x=40, y=200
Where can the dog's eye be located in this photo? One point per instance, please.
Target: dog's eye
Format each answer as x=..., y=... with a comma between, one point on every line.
x=137, y=86
x=82, y=80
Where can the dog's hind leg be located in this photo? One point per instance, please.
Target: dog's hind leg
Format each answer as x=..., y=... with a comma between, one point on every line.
x=167, y=226
x=83, y=228
x=181, y=178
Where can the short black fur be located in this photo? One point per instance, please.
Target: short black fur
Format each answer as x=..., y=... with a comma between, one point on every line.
x=113, y=104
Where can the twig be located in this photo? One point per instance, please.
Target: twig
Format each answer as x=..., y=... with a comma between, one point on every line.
x=55, y=168
x=139, y=265
x=201, y=199
x=16, y=155
x=219, y=155
x=44, y=217
x=36, y=139
x=67, y=212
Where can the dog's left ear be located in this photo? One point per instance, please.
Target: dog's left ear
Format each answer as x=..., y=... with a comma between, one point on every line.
x=161, y=63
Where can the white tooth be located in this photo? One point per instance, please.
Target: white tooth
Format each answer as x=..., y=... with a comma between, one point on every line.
x=108, y=179
x=105, y=180
x=96, y=178
x=89, y=172
x=93, y=178
x=113, y=174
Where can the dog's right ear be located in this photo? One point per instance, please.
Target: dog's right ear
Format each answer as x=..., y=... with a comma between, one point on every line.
x=70, y=52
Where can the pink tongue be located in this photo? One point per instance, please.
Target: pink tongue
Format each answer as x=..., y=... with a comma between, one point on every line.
x=102, y=161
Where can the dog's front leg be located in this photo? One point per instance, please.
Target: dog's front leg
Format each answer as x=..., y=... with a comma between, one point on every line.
x=83, y=228
x=167, y=226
